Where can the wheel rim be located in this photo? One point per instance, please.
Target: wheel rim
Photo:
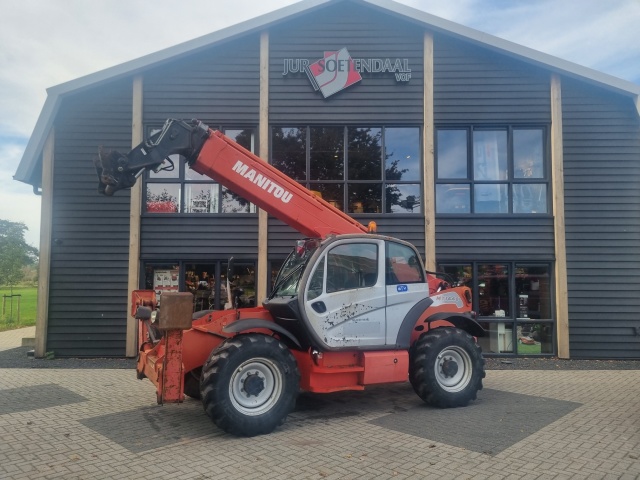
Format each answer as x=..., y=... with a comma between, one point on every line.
x=256, y=386
x=453, y=369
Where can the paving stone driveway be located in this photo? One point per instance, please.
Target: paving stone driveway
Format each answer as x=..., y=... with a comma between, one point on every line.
x=104, y=424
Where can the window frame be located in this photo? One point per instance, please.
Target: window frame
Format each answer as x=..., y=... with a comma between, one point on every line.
x=511, y=182
x=345, y=182
x=183, y=183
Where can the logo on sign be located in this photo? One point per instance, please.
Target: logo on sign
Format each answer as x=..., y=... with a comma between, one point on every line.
x=336, y=70
x=332, y=73
x=402, y=288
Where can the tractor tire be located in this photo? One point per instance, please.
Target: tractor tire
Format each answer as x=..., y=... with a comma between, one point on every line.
x=249, y=384
x=446, y=367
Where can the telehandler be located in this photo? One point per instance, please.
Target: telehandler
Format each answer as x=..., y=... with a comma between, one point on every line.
x=349, y=308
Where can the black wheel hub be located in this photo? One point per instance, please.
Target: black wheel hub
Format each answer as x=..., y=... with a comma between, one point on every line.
x=253, y=384
x=449, y=367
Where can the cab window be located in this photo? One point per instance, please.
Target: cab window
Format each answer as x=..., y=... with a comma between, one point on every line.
x=353, y=265
x=403, y=265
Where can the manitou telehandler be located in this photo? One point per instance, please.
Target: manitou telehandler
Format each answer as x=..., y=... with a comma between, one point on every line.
x=349, y=308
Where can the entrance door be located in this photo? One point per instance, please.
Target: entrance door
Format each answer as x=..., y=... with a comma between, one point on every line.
x=345, y=298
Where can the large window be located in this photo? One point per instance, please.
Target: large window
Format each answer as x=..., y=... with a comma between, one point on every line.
x=175, y=188
x=356, y=169
x=514, y=305
x=491, y=170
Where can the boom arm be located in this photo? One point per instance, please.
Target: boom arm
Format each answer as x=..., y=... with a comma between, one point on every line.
x=211, y=153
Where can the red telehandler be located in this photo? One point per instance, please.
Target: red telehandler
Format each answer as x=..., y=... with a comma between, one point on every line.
x=349, y=308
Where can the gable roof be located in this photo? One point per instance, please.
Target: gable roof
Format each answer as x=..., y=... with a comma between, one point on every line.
x=26, y=171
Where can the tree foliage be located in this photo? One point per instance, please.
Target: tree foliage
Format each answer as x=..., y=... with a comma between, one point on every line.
x=15, y=253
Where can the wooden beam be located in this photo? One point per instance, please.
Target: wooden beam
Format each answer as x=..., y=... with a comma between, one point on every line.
x=429, y=183
x=263, y=152
x=135, y=209
x=46, y=224
x=557, y=174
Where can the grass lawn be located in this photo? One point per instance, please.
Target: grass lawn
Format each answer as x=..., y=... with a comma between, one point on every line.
x=28, y=307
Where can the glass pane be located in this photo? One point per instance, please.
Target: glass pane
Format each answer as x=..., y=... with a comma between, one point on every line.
x=458, y=275
x=288, y=152
x=365, y=153
x=199, y=279
x=452, y=154
x=490, y=198
x=530, y=198
x=528, y=158
x=535, y=338
x=402, y=154
x=327, y=153
x=402, y=265
x=365, y=197
x=163, y=198
x=490, y=155
x=276, y=265
x=242, y=136
x=244, y=279
x=161, y=277
x=201, y=198
x=499, y=338
x=169, y=168
x=192, y=175
x=493, y=291
x=403, y=198
x=453, y=198
x=533, y=287
x=316, y=282
x=232, y=203
x=350, y=266
x=331, y=192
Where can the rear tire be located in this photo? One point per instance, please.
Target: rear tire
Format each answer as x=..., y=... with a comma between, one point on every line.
x=249, y=384
x=446, y=367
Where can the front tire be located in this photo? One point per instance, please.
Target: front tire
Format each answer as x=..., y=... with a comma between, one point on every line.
x=249, y=384
x=446, y=367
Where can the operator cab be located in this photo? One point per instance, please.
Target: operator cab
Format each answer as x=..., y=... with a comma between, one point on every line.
x=348, y=291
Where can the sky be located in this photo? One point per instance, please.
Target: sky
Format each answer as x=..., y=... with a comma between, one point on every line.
x=47, y=42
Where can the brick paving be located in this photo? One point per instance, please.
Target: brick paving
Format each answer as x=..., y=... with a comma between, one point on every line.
x=104, y=424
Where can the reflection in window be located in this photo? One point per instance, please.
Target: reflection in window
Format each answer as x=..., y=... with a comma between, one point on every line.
x=365, y=153
x=326, y=153
x=288, y=151
x=534, y=338
x=356, y=169
x=402, y=198
x=233, y=203
x=365, y=197
x=402, y=265
x=452, y=154
x=350, y=266
x=201, y=198
x=490, y=198
x=177, y=188
x=507, y=171
x=402, y=154
x=453, y=198
x=489, y=155
x=163, y=198
x=533, y=287
x=528, y=158
x=530, y=198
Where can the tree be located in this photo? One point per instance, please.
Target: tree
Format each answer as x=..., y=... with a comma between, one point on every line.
x=15, y=253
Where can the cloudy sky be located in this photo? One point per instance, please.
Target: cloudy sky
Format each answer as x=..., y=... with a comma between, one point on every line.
x=47, y=42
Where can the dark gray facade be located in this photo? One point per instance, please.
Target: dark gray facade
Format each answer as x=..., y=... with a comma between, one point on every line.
x=602, y=215
x=90, y=236
x=475, y=85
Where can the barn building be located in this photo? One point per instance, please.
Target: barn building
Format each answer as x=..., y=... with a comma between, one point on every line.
x=515, y=172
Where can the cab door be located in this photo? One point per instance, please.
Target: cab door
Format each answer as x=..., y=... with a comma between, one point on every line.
x=345, y=296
